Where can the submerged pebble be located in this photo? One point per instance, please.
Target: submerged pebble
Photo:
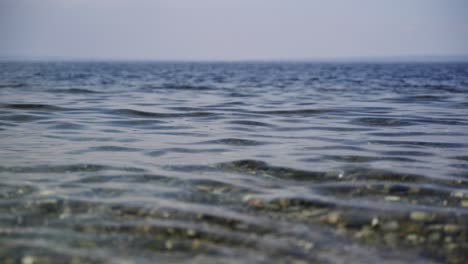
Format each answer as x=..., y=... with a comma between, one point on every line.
x=420, y=216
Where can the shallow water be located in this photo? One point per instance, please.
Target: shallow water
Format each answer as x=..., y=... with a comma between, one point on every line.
x=239, y=162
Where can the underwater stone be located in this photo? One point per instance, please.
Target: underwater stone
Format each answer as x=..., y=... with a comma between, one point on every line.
x=420, y=216
x=27, y=260
x=434, y=237
x=333, y=218
x=390, y=226
x=451, y=229
x=391, y=239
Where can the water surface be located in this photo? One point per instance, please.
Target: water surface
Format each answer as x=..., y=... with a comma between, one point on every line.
x=233, y=163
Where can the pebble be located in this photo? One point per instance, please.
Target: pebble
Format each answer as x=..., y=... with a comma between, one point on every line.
x=333, y=218
x=168, y=245
x=306, y=245
x=392, y=198
x=460, y=194
x=420, y=216
x=434, y=237
x=46, y=192
x=436, y=227
x=390, y=226
x=391, y=239
x=451, y=229
x=412, y=238
x=27, y=260
x=451, y=246
x=191, y=232
x=195, y=244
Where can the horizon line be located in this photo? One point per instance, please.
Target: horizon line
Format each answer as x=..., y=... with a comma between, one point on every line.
x=356, y=59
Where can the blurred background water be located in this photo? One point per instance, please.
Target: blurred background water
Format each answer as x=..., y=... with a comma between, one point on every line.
x=233, y=162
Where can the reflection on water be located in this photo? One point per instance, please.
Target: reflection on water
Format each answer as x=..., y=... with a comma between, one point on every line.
x=252, y=163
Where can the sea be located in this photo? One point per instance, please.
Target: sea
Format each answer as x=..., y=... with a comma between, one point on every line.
x=233, y=162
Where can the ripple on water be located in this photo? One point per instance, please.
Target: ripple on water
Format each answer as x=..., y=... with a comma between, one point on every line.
x=66, y=168
x=250, y=123
x=75, y=91
x=462, y=158
x=141, y=123
x=22, y=118
x=67, y=126
x=139, y=113
x=262, y=168
x=410, y=153
x=358, y=159
x=161, y=152
x=419, y=143
x=170, y=87
x=299, y=112
x=234, y=142
x=381, y=122
x=41, y=107
x=13, y=85
x=106, y=149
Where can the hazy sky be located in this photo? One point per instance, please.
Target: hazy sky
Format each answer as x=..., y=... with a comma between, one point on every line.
x=232, y=29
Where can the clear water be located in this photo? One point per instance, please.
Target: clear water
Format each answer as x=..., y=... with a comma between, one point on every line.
x=233, y=163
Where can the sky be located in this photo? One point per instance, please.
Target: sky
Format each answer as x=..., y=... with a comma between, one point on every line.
x=232, y=29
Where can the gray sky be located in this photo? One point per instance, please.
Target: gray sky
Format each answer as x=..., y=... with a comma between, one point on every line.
x=232, y=29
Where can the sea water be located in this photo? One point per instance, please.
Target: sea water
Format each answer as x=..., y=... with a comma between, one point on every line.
x=233, y=162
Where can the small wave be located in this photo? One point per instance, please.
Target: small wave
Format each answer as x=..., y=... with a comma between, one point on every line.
x=407, y=153
x=416, y=99
x=113, y=148
x=427, y=98
x=397, y=134
x=381, y=122
x=263, y=168
x=106, y=149
x=74, y=91
x=295, y=112
x=184, y=108
x=178, y=87
x=462, y=105
x=139, y=113
x=12, y=85
x=445, y=121
x=359, y=159
x=352, y=173
x=419, y=143
x=157, y=153
x=462, y=158
x=364, y=173
x=136, y=122
x=22, y=118
x=324, y=128
x=42, y=107
x=250, y=123
x=7, y=124
x=67, y=168
x=234, y=142
x=67, y=126
x=446, y=88
x=127, y=178
x=239, y=94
